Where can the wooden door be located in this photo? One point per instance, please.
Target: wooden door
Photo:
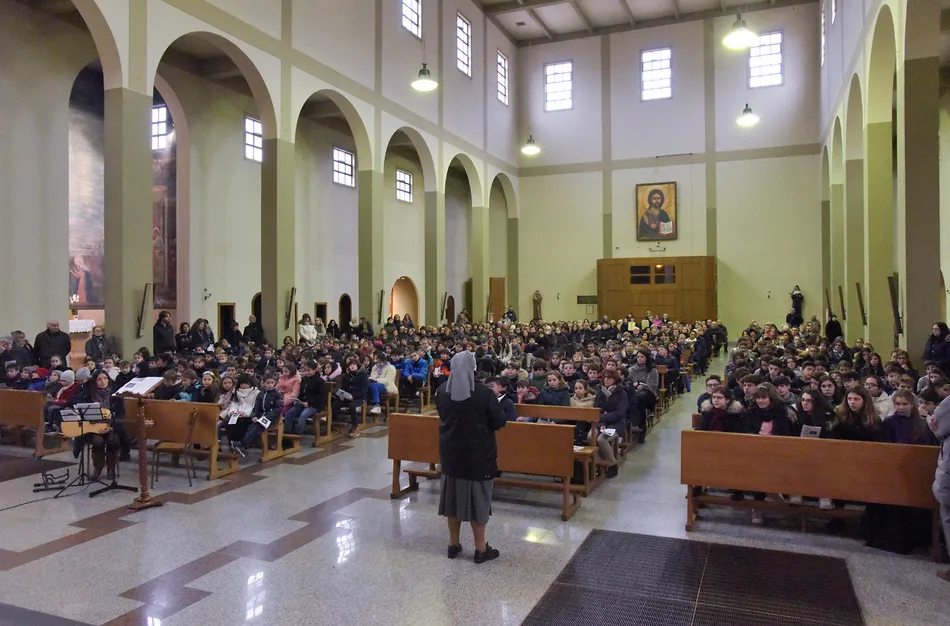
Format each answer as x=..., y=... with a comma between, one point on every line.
x=497, y=292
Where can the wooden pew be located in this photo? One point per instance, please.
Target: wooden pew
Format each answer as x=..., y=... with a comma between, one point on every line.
x=23, y=412
x=697, y=419
x=586, y=454
x=858, y=471
x=523, y=448
x=170, y=421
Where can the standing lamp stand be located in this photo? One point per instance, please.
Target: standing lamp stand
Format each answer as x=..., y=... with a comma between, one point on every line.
x=145, y=499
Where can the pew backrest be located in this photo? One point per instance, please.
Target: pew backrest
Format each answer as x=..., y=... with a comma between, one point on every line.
x=22, y=408
x=414, y=437
x=562, y=413
x=171, y=421
x=884, y=473
x=542, y=449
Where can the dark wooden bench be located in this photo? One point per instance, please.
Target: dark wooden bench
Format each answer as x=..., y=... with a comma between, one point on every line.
x=22, y=413
x=542, y=450
x=856, y=471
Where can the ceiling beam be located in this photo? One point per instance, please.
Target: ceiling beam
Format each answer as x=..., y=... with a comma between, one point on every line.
x=676, y=8
x=582, y=17
x=537, y=20
x=662, y=21
x=519, y=5
x=626, y=9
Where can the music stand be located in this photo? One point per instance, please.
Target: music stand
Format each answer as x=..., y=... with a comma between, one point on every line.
x=89, y=419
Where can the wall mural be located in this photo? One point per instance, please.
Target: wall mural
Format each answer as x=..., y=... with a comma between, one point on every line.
x=656, y=211
x=86, y=201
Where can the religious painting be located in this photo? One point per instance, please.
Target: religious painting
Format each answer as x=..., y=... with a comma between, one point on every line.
x=656, y=211
x=165, y=227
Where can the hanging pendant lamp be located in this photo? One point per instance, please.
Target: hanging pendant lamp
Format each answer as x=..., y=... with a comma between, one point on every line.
x=748, y=118
x=740, y=37
x=424, y=80
x=530, y=148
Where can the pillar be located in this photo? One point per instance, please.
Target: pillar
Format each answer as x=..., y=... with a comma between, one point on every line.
x=837, y=244
x=478, y=257
x=826, y=283
x=435, y=257
x=854, y=246
x=370, y=244
x=879, y=234
x=128, y=219
x=277, y=237
x=919, y=200
x=513, y=268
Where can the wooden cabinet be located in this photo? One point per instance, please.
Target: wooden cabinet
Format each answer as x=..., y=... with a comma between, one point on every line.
x=683, y=287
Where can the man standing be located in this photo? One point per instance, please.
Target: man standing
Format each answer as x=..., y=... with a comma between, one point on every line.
x=51, y=341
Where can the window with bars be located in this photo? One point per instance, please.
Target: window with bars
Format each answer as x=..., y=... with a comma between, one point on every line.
x=344, y=165
x=253, y=140
x=558, y=86
x=463, y=44
x=502, y=78
x=656, y=74
x=159, y=127
x=412, y=16
x=403, y=186
x=765, y=61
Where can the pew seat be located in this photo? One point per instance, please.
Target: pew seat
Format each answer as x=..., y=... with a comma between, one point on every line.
x=892, y=474
x=535, y=452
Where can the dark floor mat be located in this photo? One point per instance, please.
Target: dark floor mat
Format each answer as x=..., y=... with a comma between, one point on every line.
x=624, y=578
x=13, y=467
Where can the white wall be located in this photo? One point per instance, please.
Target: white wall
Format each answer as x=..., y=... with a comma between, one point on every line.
x=498, y=233
x=327, y=238
x=404, y=228
x=341, y=41
x=504, y=138
x=769, y=227
x=402, y=57
x=41, y=57
x=658, y=127
x=788, y=112
x=458, y=220
x=464, y=96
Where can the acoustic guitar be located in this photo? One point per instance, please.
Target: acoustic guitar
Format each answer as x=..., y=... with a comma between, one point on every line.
x=80, y=428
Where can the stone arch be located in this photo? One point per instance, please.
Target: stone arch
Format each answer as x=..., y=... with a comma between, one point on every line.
x=837, y=153
x=404, y=298
x=825, y=219
x=882, y=64
x=854, y=121
x=364, y=149
x=429, y=173
x=113, y=72
x=476, y=190
x=511, y=199
x=855, y=254
x=266, y=110
x=836, y=207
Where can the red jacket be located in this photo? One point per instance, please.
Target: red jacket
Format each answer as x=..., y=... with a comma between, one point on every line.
x=66, y=396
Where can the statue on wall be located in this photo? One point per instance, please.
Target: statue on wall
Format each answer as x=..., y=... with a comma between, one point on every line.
x=536, y=298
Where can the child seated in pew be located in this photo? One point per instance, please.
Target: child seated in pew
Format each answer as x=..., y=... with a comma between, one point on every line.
x=768, y=415
x=11, y=378
x=611, y=399
x=712, y=382
x=170, y=388
x=351, y=395
x=525, y=394
x=312, y=400
x=498, y=386
x=719, y=412
x=38, y=379
x=189, y=386
x=267, y=405
x=555, y=391
x=208, y=389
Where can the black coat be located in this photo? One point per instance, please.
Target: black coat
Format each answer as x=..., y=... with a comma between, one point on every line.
x=779, y=415
x=18, y=354
x=467, y=446
x=98, y=348
x=313, y=391
x=48, y=344
x=254, y=333
x=938, y=350
x=613, y=408
x=163, y=338
x=833, y=329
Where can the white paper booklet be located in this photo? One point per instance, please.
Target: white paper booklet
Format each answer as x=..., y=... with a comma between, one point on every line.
x=139, y=386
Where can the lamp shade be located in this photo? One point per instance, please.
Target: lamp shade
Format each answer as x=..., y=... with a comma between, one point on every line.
x=530, y=148
x=740, y=37
x=748, y=118
x=424, y=81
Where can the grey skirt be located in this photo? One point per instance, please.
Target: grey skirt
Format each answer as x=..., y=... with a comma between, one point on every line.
x=467, y=500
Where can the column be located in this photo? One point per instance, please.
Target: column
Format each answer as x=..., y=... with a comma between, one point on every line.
x=837, y=244
x=879, y=234
x=513, y=269
x=370, y=244
x=277, y=237
x=128, y=219
x=854, y=246
x=919, y=176
x=478, y=256
x=435, y=257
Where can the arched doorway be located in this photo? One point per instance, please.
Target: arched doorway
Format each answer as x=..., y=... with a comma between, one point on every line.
x=450, y=310
x=404, y=298
x=345, y=310
x=256, y=306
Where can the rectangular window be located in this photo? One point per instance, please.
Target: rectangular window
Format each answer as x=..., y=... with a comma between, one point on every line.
x=656, y=74
x=834, y=10
x=253, y=140
x=765, y=61
x=558, y=86
x=502, y=78
x=343, y=165
x=463, y=44
x=823, y=33
x=664, y=275
x=159, y=127
x=639, y=274
x=412, y=16
x=403, y=186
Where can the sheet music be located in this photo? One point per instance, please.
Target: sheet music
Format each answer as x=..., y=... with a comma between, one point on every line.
x=139, y=386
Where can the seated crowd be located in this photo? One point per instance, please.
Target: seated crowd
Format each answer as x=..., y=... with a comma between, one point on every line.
x=610, y=364
x=780, y=381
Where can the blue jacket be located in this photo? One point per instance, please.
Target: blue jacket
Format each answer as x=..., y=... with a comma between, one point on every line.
x=419, y=369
